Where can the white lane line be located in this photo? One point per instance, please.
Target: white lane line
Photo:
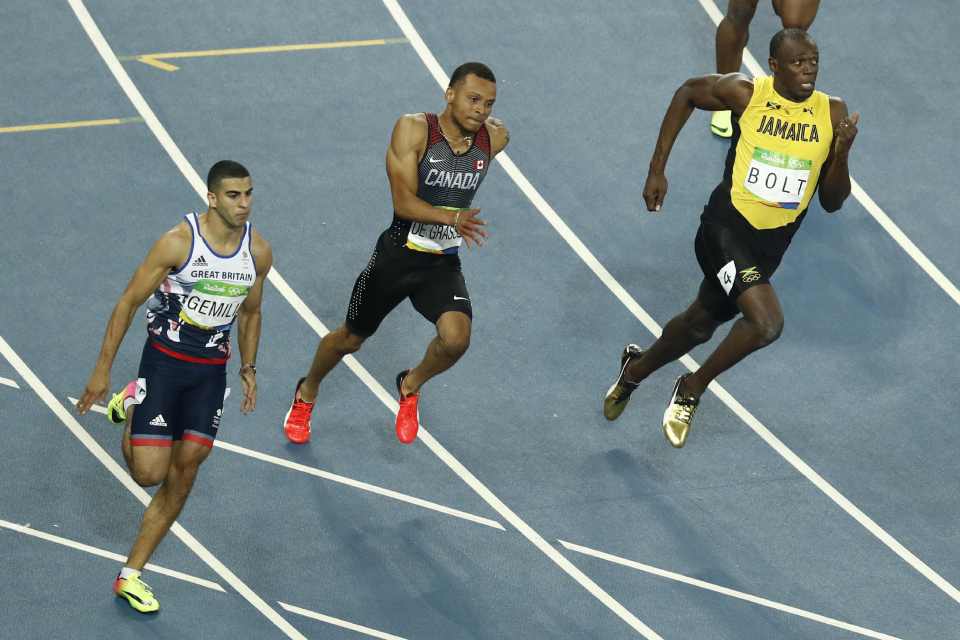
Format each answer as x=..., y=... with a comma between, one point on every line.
x=186, y=577
x=120, y=474
x=10, y=383
x=163, y=137
x=340, y=623
x=400, y=17
x=627, y=300
x=357, y=484
x=333, y=477
x=764, y=602
x=857, y=191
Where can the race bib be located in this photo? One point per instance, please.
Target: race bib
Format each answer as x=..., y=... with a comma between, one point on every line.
x=727, y=275
x=213, y=303
x=434, y=238
x=777, y=178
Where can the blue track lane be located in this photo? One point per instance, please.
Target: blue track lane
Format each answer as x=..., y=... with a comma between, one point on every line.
x=859, y=386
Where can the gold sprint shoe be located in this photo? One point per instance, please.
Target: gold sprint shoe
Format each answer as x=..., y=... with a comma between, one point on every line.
x=679, y=415
x=618, y=395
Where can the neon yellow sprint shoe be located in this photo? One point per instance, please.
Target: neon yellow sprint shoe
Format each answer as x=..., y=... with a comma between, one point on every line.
x=721, y=124
x=137, y=592
x=115, y=410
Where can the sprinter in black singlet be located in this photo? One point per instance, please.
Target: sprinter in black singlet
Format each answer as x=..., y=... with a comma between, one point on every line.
x=435, y=164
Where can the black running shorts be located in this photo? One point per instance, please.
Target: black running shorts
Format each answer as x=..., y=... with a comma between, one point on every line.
x=731, y=264
x=184, y=401
x=434, y=284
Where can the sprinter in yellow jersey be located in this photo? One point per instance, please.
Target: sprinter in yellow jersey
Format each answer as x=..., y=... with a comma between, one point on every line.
x=789, y=141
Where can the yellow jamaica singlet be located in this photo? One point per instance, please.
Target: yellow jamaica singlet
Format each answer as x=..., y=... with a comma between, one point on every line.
x=781, y=148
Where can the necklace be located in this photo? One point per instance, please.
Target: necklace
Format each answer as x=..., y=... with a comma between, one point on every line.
x=452, y=141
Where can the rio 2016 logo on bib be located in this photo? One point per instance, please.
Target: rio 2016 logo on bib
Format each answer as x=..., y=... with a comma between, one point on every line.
x=777, y=178
x=213, y=303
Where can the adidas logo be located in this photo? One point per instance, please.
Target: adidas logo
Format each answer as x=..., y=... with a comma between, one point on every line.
x=200, y=262
x=158, y=421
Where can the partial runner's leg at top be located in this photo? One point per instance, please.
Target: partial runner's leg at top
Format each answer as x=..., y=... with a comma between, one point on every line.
x=733, y=33
x=796, y=14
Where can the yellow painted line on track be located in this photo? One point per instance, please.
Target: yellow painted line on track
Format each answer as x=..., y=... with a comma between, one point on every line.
x=75, y=124
x=159, y=64
x=157, y=59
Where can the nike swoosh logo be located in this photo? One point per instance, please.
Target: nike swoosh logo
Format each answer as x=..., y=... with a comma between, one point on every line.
x=432, y=161
x=719, y=130
x=461, y=298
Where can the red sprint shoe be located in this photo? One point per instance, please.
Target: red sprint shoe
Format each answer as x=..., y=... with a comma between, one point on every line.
x=408, y=417
x=296, y=424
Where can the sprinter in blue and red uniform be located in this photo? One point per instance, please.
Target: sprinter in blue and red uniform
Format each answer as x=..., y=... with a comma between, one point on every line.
x=435, y=164
x=201, y=277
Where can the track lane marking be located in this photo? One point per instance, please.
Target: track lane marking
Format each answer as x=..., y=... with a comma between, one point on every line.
x=344, y=480
x=701, y=584
x=157, y=59
x=103, y=553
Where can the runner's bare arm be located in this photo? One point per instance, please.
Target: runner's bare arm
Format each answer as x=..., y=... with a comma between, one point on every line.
x=167, y=253
x=248, y=322
x=835, y=175
x=409, y=139
x=712, y=92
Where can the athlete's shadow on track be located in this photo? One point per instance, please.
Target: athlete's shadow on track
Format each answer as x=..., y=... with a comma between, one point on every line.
x=419, y=566
x=647, y=481
x=317, y=453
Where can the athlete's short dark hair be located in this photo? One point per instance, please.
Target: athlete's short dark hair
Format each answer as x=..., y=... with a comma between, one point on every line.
x=222, y=170
x=783, y=35
x=476, y=68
